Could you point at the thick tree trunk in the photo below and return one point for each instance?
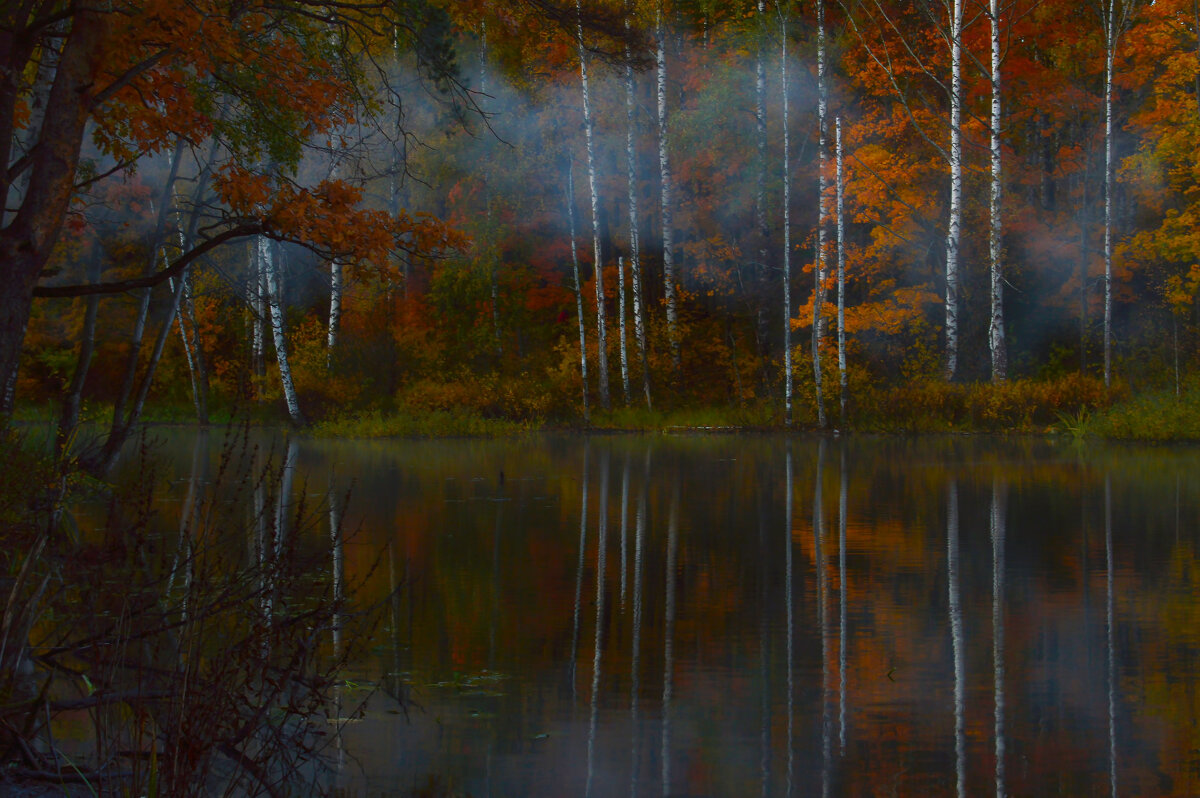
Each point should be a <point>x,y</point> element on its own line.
<point>29,234</point>
<point>664,171</point>
<point>954,227</point>
<point>996,341</point>
<point>594,191</point>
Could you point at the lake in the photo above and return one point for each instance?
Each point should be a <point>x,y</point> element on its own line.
<point>756,615</point>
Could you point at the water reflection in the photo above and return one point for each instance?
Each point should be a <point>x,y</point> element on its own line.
<point>720,662</point>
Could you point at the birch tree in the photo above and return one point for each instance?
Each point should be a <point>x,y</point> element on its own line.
<point>822,213</point>
<point>996,341</point>
<point>841,268</point>
<point>583,362</point>
<point>954,225</point>
<point>621,329</point>
<point>589,135</point>
<point>1114,17</point>
<point>635,262</point>
<point>664,171</point>
<point>787,232</point>
<point>270,267</point>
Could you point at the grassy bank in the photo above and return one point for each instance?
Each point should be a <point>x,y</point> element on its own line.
<point>1071,405</point>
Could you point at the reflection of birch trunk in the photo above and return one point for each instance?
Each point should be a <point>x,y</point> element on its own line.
<point>669,639</point>
<point>635,730</point>
<point>1109,630</point>
<point>791,621</point>
<point>496,579</point>
<point>187,521</point>
<point>764,652</point>
<point>270,265</point>
<point>844,487</point>
<point>337,566</point>
<point>583,366</point>
<point>624,527</point>
<point>583,501</point>
<point>598,650</point>
<point>956,639</point>
<point>823,617</point>
<point>999,528</point>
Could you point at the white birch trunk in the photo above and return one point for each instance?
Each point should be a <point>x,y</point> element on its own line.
<point>954,227</point>
<point>762,230</point>
<point>787,240</point>
<point>270,266</point>
<point>583,363</point>
<point>635,258</point>
<point>996,342</point>
<point>589,134</point>
<point>841,270</point>
<point>335,310</point>
<point>621,328</point>
<point>1110,49</point>
<point>822,214</point>
<point>664,170</point>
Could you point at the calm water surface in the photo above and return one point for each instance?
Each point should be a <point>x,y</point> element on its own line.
<point>741,615</point>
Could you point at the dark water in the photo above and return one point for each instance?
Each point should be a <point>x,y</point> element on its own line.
<point>740,615</point>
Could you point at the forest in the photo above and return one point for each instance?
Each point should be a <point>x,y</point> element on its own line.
<point>822,214</point>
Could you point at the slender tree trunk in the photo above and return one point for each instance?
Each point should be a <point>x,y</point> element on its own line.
<point>999,527</point>
<point>270,265</point>
<point>664,170</point>
<point>761,226</point>
<point>69,417</point>
<point>198,365</point>
<point>493,260</point>
<point>956,639</point>
<point>621,329</point>
<point>787,238</point>
<point>335,311</point>
<point>841,271</point>
<point>1109,181</point>
<point>822,215</point>
<point>954,227</point>
<point>635,261</point>
<point>583,363</point>
<point>258,322</point>
<point>996,339</point>
<point>589,134</point>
